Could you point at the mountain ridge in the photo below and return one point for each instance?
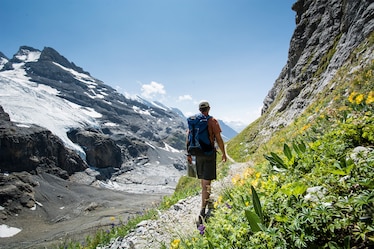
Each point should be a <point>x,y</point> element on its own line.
<point>118,137</point>
<point>325,36</point>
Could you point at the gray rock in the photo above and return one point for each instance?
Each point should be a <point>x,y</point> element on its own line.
<point>326,33</point>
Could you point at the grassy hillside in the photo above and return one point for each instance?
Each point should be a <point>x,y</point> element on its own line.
<point>312,185</point>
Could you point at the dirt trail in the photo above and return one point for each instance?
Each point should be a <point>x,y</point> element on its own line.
<point>176,222</point>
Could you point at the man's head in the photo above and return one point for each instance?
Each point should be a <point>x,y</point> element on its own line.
<point>204,106</point>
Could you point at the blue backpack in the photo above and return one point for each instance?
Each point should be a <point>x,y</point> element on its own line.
<point>198,142</point>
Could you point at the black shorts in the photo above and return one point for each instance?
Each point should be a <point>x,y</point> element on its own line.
<point>206,167</point>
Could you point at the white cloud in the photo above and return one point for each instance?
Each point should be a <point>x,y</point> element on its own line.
<point>185,97</point>
<point>151,90</point>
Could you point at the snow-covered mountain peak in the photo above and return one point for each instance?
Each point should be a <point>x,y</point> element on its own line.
<point>27,54</point>
<point>29,103</point>
<point>3,60</point>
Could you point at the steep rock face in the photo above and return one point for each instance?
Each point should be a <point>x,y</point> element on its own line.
<point>33,149</point>
<point>101,151</point>
<point>327,31</point>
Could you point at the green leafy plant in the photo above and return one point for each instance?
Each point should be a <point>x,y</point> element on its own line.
<point>290,160</point>
<point>255,219</point>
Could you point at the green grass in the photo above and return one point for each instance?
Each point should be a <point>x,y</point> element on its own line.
<point>118,228</point>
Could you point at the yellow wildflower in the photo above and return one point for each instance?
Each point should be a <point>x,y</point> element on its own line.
<point>255,182</point>
<point>369,74</point>
<point>248,172</point>
<point>218,201</point>
<point>258,175</point>
<point>351,97</point>
<point>305,127</point>
<point>112,219</point>
<point>235,179</point>
<point>359,99</point>
<point>370,98</point>
<point>175,244</point>
<point>247,203</point>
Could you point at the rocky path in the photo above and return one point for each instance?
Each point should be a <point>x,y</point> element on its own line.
<point>176,222</point>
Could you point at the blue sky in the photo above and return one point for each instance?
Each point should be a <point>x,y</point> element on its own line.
<point>229,52</point>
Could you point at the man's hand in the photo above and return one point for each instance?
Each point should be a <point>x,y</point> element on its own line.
<point>189,159</point>
<point>224,158</point>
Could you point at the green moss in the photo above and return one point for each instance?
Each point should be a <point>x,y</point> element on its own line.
<point>326,58</point>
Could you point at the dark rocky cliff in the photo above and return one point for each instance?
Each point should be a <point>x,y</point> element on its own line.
<point>34,148</point>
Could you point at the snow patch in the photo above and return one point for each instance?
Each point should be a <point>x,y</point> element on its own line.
<point>79,76</point>
<point>169,148</point>
<point>109,124</point>
<point>138,110</point>
<point>29,56</point>
<point>7,231</point>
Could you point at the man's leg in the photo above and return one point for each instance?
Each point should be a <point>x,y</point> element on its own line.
<point>205,195</point>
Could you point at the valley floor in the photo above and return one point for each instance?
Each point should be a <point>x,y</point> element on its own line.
<point>71,211</point>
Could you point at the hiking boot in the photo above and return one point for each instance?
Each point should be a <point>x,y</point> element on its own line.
<point>201,218</point>
<point>209,214</point>
<point>210,204</point>
<point>210,211</point>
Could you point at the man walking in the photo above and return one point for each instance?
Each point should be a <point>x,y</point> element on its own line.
<point>206,163</point>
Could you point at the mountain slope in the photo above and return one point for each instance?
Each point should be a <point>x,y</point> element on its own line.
<point>326,34</point>
<point>71,83</point>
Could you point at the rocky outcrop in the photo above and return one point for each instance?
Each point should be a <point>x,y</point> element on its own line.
<point>16,192</point>
<point>101,150</point>
<point>3,60</point>
<point>326,34</point>
<point>34,148</point>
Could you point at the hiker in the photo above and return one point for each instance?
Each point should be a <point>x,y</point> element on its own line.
<point>206,162</point>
